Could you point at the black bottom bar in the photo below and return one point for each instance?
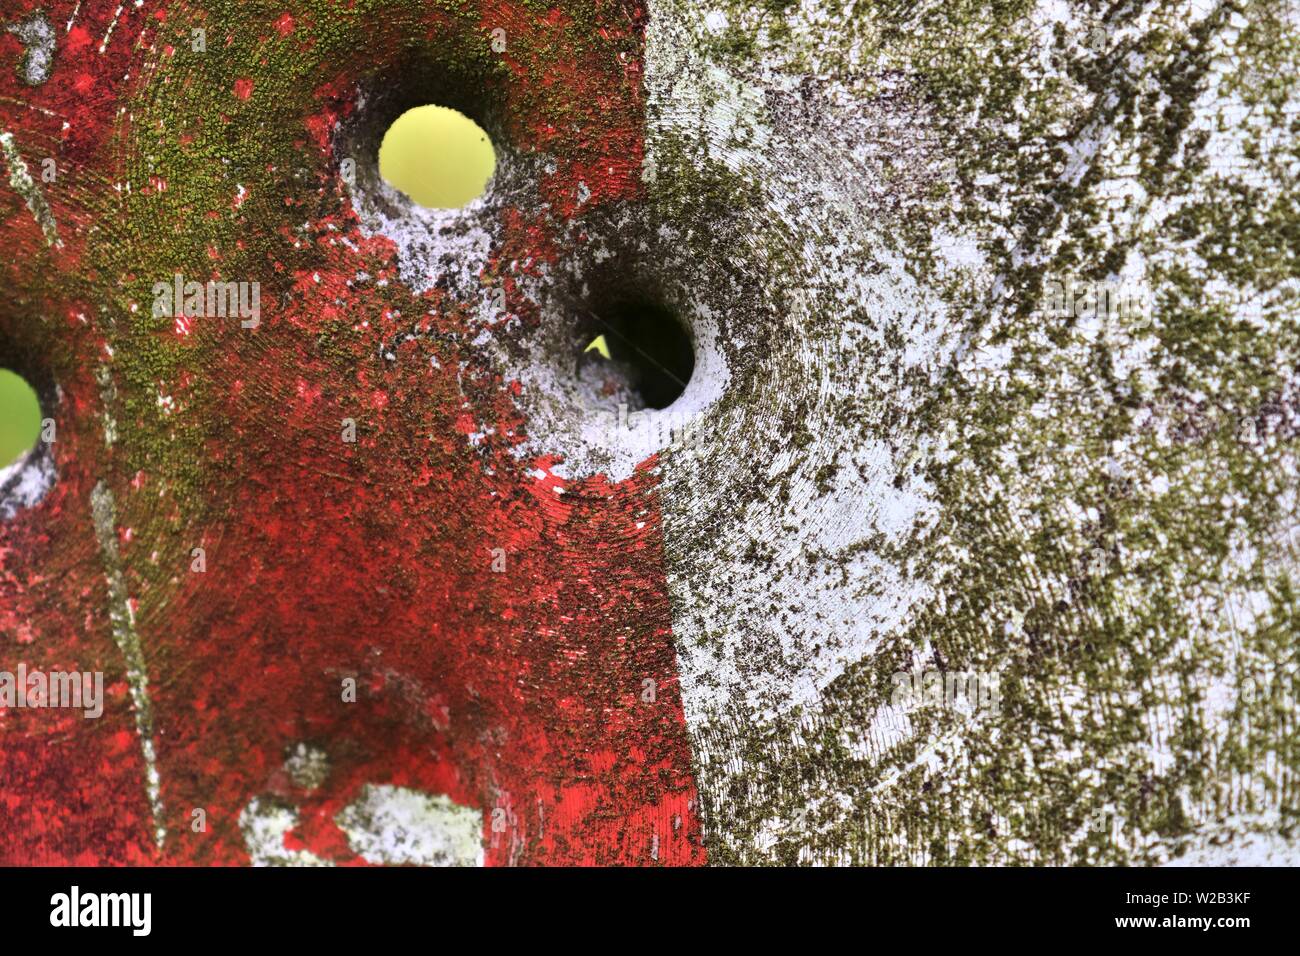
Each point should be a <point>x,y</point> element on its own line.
<point>677,907</point>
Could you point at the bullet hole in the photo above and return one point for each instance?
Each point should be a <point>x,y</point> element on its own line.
<point>646,341</point>
<point>27,441</point>
<point>20,417</point>
<point>425,160</point>
<point>437,156</point>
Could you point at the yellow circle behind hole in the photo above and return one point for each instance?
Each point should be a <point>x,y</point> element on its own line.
<point>442,159</point>
<point>20,417</point>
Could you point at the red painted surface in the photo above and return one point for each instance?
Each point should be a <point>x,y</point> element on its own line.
<point>518,692</point>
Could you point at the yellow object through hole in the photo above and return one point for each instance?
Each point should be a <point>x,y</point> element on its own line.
<point>20,417</point>
<point>442,159</point>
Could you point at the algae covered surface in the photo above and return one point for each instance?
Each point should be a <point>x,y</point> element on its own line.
<point>950,471</point>
<point>983,546</point>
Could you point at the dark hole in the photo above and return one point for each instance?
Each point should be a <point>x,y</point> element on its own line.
<point>649,341</point>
